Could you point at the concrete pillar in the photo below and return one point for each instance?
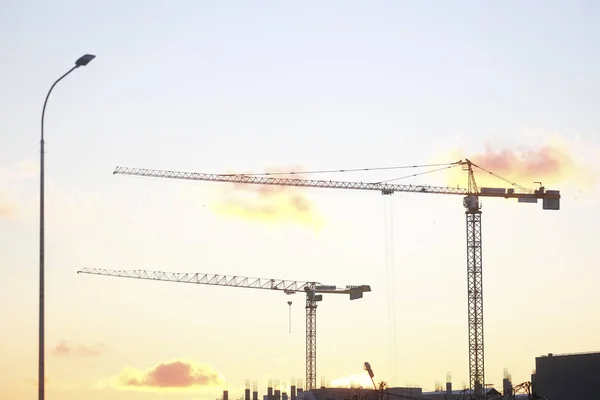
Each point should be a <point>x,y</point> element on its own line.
<point>293,392</point>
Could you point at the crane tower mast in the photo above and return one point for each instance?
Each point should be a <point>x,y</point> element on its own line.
<point>472,194</point>
<point>314,293</point>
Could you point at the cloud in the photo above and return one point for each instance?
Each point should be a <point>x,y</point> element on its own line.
<point>173,375</point>
<point>7,208</point>
<point>8,201</point>
<point>551,160</point>
<point>65,348</point>
<point>20,170</point>
<point>548,162</point>
<point>11,178</point>
<point>267,203</point>
<point>26,169</point>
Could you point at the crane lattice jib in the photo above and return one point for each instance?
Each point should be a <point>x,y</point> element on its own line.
<point>227,280</point>
<point>288,287</point>
<point>327,184</point>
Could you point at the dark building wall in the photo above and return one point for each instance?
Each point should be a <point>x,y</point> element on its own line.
<point>411,391</point>
<point>568,376</point>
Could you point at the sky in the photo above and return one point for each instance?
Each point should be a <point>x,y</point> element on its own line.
<point>224,87</point>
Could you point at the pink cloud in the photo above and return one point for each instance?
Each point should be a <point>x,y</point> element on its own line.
<point>65,348</point>
<point>170,375</point>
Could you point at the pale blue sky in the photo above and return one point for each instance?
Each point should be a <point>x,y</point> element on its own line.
<point>214,86</point>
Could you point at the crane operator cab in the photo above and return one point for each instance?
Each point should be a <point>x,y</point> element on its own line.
<point>471,203</point>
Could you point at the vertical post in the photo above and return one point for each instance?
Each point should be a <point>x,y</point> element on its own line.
<point>41,344</point>
<point>475,299</point>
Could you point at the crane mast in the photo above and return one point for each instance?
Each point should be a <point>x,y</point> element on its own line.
<point>314,293</point>
<point>474,287</point>
<point>475,298</point>
<point>472,194</point>
<point>311,340</point>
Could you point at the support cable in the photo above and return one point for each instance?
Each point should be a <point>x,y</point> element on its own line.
<point>325,171</point>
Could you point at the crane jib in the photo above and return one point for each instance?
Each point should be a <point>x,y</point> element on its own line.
<point>288,287</point>
<point>385,188</point>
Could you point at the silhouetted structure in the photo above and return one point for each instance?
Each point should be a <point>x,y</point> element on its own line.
<point>567,376</point>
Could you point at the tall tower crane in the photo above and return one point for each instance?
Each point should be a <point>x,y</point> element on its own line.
<point>314,293</point>
<point>472,194</point>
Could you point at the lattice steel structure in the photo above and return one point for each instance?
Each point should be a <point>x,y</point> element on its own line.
<point>314,293</point>
<point>550,201</point>
<point>522,388</point>
<point>475,300</point>
<point>311,339</point>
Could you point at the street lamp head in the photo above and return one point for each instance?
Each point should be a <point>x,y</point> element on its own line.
<point>84,60</point>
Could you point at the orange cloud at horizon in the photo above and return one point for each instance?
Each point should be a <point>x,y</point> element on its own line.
<point>268,203</point>
<point>174,375</point>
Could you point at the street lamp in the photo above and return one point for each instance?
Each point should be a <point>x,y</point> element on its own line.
<point>81,62</point>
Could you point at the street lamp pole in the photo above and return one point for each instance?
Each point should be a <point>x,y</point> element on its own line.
<point>81,62</point>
